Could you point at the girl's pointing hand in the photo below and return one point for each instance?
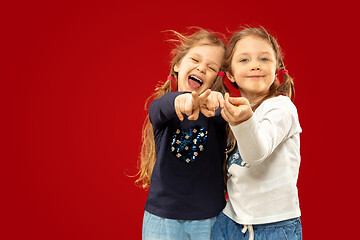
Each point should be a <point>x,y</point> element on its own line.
<point>236,110</point>
<point>187,104</point>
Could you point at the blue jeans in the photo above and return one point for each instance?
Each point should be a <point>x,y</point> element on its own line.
<point>226,229</point>
<point>158,228</point>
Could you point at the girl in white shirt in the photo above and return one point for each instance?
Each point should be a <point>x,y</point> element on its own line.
<point>263,167</point>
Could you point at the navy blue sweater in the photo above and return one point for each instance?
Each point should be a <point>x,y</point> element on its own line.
<point>187,182</point>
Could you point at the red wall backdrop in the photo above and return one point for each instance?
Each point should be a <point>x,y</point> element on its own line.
<point>74,79</point>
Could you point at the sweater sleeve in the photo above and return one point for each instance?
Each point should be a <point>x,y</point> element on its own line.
<point>259,136</point>
<point>162,109</point>
<point>218,117</point>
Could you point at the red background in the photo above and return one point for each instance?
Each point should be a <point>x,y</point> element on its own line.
<point>74,79</point>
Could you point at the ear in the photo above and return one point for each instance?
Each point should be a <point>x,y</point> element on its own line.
<point>230,77</point>
<point>176,67</point>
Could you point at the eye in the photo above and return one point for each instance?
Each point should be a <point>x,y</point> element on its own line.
<point>264,59</point>
<point>212,69</point>
<point>244,60</point>
<point>194,60</point>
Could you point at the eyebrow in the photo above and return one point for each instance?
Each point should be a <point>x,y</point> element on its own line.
<point>246,53</point>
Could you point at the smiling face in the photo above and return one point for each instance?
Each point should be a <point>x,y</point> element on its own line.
<point>253,67</point>
<point>198,69</point>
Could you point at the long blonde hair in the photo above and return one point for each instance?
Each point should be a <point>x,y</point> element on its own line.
<point>183,44</point>
<point>286,88</point>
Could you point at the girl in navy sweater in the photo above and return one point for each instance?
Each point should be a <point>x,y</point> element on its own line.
<point>184,140</point>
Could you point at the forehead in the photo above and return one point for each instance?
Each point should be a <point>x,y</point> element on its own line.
<point>209,52</point>
<point>253,44</point>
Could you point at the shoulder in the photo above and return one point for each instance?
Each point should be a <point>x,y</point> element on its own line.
<point>162,109</point>
<point>167,96</point>
<point>280,103</point>
<point>280,110</point>
<point>167,100</point>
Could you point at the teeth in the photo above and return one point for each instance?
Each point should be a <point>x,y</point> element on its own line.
<point>196,78</point>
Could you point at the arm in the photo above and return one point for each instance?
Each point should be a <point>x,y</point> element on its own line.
<point>172,105</point>
<point>218,118</point>
<point>258,136</point>
<point>162,109</point>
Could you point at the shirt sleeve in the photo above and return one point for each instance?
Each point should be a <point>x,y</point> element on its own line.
<point>162,109</point>
<point>218,117</point>
<point>259,136</point>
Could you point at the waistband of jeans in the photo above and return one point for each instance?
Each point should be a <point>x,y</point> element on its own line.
<point>276,224</point>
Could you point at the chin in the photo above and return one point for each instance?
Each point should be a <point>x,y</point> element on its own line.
<point>198,90</point>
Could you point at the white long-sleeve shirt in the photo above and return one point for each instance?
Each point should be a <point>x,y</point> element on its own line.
<point>264,172</point>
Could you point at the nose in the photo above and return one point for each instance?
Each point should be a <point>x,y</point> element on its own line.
<point>255,67</point>
<point>201,68</point>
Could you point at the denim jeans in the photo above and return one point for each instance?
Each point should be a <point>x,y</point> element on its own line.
<point>158,228</point>
<point>226,229</point>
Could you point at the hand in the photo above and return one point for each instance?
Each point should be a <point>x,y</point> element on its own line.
<point>236,110</point>
<point>187,103</point>
<point>209,101</point>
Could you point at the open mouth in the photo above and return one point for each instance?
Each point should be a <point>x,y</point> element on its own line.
<point>194,82</point>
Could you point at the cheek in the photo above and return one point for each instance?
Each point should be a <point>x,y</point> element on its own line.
<point>236,72</point>
<point>273,75</point>
<point>272,72</point>
<point>271,79</point>
<point>210,81</point>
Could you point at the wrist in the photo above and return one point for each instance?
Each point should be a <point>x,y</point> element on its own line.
<point>243,119</point>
